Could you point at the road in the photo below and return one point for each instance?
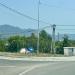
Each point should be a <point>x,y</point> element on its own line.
<point>20,67</point>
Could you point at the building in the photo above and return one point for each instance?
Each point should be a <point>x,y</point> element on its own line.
<point>69,51</point>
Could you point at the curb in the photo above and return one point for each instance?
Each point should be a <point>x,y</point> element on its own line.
<point>41,58</point>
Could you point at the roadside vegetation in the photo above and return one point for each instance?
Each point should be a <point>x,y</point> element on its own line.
<point>15,43</point>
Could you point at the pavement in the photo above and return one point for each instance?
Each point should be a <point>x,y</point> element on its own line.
<point>24,67</point>
<point>58,68</point>
<point>70,58</point>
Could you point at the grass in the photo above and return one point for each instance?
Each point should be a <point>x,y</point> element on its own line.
<point>7,54</point>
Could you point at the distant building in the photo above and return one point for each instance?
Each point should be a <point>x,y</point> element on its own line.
<point>69,51</point>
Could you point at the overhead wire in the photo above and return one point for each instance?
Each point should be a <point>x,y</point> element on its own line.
<point>45,4</point>
<point>65,25</point>
<point>21,14</point>
<point>31,18</point>
<point>17,33</point>
<point>65,29</point>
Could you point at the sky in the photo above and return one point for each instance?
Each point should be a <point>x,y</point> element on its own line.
<point>59,12</point>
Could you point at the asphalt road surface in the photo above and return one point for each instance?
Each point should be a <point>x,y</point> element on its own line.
<point>17,67</point>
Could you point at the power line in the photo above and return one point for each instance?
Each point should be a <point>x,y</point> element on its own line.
<point>65,25</point>
<point>21,14</point>
<point>65,29</point>
<point>15,11</point>
<point>15,33</point>
<point>45,27</point>
<point>56,6</point>
<point>3,1</point>
<point>49,5</point>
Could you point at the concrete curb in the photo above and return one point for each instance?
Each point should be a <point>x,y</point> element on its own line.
<point>41,58</point>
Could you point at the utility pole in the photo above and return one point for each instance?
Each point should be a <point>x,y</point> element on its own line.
<point>53,38</point>
<point>38,29</point>
<point>58,36</point>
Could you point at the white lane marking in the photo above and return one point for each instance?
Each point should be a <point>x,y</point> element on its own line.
<point>40,65</point>
<point>29,69</point>
<point>33,67</point>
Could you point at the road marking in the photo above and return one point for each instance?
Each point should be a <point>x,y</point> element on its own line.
<point>33,67</point>
<point>29,69</point>
<point>42,65</point>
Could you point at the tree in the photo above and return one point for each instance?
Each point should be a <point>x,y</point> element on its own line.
<point>59,47</point>
<point>2,45</point>
<point>31,42</point>
<point>61,44</point>
<point>13,43</point>
<point>16,43</point>
<point>65,41</point>
<point>45,42</point>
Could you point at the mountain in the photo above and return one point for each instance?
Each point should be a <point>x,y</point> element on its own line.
<point>70,36</point>
<point>9,30</point>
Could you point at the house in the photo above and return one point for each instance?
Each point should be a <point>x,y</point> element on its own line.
<point>69,51</point>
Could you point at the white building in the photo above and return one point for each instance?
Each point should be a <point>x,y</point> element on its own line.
<point>69,51</point>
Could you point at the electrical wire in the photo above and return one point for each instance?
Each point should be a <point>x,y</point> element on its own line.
<point>18,32</point>
<point>65,25</point>
<point>45,4</point>
<point>65,29</point>
<point>21,14</point>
